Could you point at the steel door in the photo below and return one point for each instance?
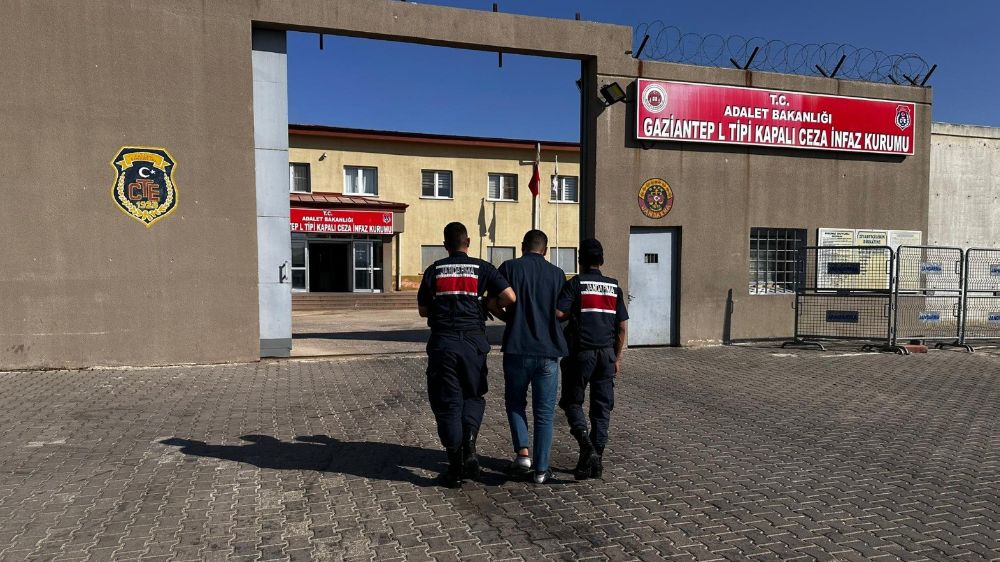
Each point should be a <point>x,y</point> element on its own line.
<point>652,285</point>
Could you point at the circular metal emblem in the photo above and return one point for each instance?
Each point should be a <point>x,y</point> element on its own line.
<point>654,98</point>
<point>655,198</point>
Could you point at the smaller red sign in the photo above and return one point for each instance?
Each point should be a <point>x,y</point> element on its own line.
<point>340,221</point>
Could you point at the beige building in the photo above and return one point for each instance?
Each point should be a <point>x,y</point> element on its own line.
<point>424,181</point>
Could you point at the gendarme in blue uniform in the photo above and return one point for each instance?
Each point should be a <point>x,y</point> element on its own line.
<point>452,289</point>
<point>595,305</point>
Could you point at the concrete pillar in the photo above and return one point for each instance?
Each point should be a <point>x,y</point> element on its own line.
<point>274,257</point>
<point>388,253</point>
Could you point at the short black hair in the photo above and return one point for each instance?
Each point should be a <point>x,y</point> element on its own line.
<point>456,236</point>
<point>534,241</point>
<point>591,253</point>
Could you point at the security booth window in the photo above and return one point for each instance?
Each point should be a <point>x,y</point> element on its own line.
<point>564,259</point>
<point>564,190</point>
<point>299,178</point>
<point>360,181</point>
<point>499,254</point>
<point>773,259</point>
<point>431,254</point>
<point>435,184</point>
<point>502,187</point>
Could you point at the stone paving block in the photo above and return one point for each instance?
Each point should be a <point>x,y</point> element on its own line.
<point>716,454</point>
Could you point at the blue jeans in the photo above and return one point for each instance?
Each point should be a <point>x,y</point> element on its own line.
<point>542,373</point>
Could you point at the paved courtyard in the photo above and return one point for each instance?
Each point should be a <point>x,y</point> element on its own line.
<point>732,453</point>
<point>326,333</point>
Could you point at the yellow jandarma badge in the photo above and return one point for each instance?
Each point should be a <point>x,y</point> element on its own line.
<point>144,187</point>
<point>655,198</point>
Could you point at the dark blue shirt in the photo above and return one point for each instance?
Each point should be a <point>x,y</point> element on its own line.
<point>532,328</point>
<point>595,305</point>
<point>453,288</point>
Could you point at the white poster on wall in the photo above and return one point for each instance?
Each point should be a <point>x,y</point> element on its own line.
<point>834,269</point>
<point>874,263</point>
<point>899,238</point>
<point>835,237</point>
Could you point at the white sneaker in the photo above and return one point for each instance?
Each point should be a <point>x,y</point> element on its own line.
<point>522,463</point>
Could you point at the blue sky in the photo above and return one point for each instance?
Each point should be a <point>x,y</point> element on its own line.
<point>403,87</point>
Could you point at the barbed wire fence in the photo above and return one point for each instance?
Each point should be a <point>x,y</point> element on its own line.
<point>661,42</point>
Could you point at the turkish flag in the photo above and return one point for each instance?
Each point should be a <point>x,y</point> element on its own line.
<point>535,179</point>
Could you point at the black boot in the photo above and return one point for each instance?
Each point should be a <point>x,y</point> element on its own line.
<point>452,478</point>
<point>597,469</point>
<point>470,462</point>
<point>584,466</point>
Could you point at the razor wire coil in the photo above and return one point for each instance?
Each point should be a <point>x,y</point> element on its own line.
<point>670,44</point>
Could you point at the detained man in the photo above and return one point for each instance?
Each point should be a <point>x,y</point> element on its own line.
<point>533,343</point>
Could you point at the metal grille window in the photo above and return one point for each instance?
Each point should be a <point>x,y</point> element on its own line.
<point>564,259</point>
<point>431,254</point>
<point>564,189</point>
<point>435,184</point>
<point>773,259</point>
<point>502,187</point>
<point>360,181</point>
<point>500,254</point>
<point>298,178</point>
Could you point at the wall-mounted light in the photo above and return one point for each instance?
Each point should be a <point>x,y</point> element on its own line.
<point>612,93</point>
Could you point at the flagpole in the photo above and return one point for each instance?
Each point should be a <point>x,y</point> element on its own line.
<point>534,198</point>
<point>555,183</point>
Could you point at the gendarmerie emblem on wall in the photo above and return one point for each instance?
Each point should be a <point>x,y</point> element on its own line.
<point>144,187</point>
<point>655,198</point>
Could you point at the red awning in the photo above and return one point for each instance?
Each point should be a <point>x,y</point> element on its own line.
<point>341,201</point>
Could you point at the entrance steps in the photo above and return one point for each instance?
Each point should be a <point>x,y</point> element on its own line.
<point>354,301</point>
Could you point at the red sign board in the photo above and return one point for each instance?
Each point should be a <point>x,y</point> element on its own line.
<point>340,221</point>
<point>681,111</point>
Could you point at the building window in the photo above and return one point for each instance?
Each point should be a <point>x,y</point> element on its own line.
<point>360,181</point>
<point>435,184</point>
<point>564,259</point>
<point>499,254</point>
<point>298,178</point>
<point>773,253</point>
<point>564,190</point>
<point>431,254</point>
<point>299,253</point>
<point>502,187</point>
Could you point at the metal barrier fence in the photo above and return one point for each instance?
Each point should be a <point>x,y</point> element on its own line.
<point>981,318</point>
<point>917,293</point>
<point>928,295</point>
<point>844,293</point>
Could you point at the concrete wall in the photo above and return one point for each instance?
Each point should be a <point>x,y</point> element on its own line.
<point>720,192</point>
<point>399,167</point>
<point>964,186</point>
<point>82,284</point>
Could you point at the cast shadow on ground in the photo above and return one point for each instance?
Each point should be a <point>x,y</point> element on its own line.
<point>420,335</point>
<point>368,459</point>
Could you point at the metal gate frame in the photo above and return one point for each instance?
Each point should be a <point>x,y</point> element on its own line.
<point>916,266</point>
<point>979,292</point>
